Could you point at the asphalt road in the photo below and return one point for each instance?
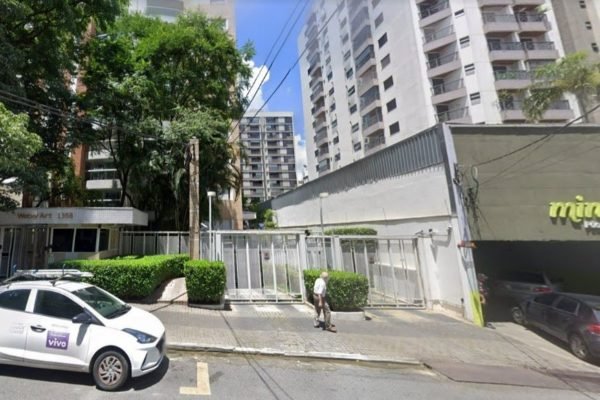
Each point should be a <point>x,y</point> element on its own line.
<point>250,377</point>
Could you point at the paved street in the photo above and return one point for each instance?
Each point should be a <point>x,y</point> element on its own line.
<point>254,377</point>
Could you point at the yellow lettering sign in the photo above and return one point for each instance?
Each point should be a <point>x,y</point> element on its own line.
<point>577,211</point>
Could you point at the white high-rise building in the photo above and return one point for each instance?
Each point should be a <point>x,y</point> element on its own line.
<point>382,70</point>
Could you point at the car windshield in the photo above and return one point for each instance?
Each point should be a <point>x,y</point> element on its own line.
<point>102,302</point>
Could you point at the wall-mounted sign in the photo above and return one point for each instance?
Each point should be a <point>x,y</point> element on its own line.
<point>579,211</point>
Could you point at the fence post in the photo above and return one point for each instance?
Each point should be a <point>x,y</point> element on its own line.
<point>302,264</point>
<point>370,296</point>
<point>274,270</point>
<point>389,244</point>
<point>248,268</point>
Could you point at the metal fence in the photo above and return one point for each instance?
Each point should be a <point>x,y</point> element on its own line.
<point>267,265</point>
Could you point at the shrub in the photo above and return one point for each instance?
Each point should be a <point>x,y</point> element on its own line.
<point>346,291</point>
<point>351,231</point>
<point>205,281</point>
<point>130,278</point>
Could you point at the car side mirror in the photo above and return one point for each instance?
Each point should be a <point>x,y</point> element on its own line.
<point>83,318</point>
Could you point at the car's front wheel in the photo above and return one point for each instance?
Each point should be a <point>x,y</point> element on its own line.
<point>110,370</point>
<point>518,316</point>
<point>579,348</point>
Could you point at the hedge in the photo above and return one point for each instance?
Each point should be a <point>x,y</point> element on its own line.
<point>346,291</point>
<point>351,231</point>
<point>205,281</point>
<point>129,277</point>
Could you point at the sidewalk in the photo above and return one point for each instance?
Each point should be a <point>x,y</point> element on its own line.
<point>404,336</point>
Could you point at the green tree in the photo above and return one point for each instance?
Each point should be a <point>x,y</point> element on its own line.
<point>17,146</point>
<point>154,85</point>
<point>40,44</point>
<point>572,74</point>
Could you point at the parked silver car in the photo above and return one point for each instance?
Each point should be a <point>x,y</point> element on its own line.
<point>513,287</point>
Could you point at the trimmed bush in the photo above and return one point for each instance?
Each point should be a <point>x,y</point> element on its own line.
<point>351,231</point>
<point>205,281</point>
<point>346,291</point>
<point>128,277</point>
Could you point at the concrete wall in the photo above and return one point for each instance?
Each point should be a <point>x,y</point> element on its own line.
<point>508,199</point>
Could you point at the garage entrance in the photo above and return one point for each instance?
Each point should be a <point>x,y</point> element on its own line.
<point>570,266</point>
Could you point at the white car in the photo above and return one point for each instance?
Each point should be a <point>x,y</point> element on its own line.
<point>75,326</point>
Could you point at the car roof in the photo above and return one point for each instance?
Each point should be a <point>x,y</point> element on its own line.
<point>69,286</point>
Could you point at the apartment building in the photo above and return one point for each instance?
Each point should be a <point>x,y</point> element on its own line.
<point>379,71</point>
<point>269,169</point>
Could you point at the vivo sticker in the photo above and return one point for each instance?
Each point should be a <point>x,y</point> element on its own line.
<point>57,340</point>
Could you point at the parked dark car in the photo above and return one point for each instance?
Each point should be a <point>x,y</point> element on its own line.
<point>572,318</point>
<point>512,287</point>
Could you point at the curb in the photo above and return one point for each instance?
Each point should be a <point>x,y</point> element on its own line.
<point>292,354</point>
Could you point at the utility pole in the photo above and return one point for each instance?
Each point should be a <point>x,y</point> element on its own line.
<point>194,201</point>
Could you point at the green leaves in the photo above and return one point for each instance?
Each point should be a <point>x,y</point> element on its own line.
<point>205,281</point>
<point>346,291</point>
<point>350,231</point>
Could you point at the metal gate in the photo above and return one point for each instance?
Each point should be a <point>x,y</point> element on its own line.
<point>261,266</point>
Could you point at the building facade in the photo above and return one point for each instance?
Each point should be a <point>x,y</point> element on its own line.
<point>269,169</point>
<point>377,71</point>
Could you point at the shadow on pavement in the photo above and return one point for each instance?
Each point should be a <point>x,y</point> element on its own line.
<point>82,379</point>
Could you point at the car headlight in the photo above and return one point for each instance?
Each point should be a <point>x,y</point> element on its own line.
<point>140,336</point>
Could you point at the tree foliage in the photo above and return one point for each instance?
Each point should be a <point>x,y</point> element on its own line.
<point>572,74</point>
<point>154,85</point>
<point>39,52</point>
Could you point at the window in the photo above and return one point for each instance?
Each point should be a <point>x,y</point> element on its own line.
<point>351,90</point>
<point>475,98</point>
<point>343,23</point>
<point>588,25</point>
<point>459,13</point>
<point>336,140</point>
<point>55,305</point>
<point>328,61</point>
<point>470,69</point>
<point>331,91</point>
<point>385,61</point>
<point>394,128</point>
<point>347,55</point>
<point>378,20</point>
<point>332,107</point>
<point>382,40</point>
<point>357,146</point>
<point>345,38</point>
<point>14,299</point>
<point>329,76</point>
<point>567,305</point>
<point>582,4</point>
<point>464,41</point>
<point>595,47</point>
<point>546,299</point>
<point>103,245</point>
<point>349,73</point>
<point>62,240</point>
<point>338,156</point>
<point>391,105</point>
<point>388,83</point>
<point>353,109</point>
<point>334,123</point>
<point>85,240</point>
<point>355,127</point>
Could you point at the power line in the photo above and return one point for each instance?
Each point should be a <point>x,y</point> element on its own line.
<point>293,66</point>
<point>273,48</point>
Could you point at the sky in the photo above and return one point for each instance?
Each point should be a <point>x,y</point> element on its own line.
<point>260,22</point>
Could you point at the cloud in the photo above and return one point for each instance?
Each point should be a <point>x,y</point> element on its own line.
<point>258,73</point>
<point>301,160</point>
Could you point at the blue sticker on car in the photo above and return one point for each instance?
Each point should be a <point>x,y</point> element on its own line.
<point>57,340</point>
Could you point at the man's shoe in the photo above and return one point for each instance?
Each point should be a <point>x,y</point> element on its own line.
<point>331,329</point>
<point>317,325</point>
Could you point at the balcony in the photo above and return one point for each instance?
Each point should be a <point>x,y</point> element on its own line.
<point>320,124</point>
<point>367,83</point>
<point>365,60</point>
<point>506,51</point>
<point>317,92</point>
<point>440,38</point>
<point>491,3</point>
<point>458,115</point>
<point>324,165</point>
<point>442,65</point>
<point>321,137</point>
<point>533,22</point>
<point>497,23</point>
<point>448,91</point>
<point>372,124</point>
<point>512,110</point>
<point>533,3</point>
<point>323,153</point>
<point>434,13</point>
<point>318,109</point>
<point>359,19</point>
<point>513,80</point>
<point>375,143</point>
<point>362,40</point>
<point>540,50</point>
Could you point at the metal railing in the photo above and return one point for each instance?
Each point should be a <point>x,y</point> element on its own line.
<point>439,34</point>
<point>539,46</point>
<point>519,104</point>
<point>505,46</point>
<point>364,57</point>
<point>375,142</point>
<point>447,87</point>
<point>434,9</point>
<point>493,17</point>
<point>452,115</point>
<point>437,62</point>
<point>514,75</point>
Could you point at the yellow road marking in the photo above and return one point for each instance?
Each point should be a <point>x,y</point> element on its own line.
<point>203,384</point>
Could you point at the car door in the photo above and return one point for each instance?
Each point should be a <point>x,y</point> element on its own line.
<point>539,307</point>
<point>562,316</point>
<point>13,321</point>
<point>54,341</point>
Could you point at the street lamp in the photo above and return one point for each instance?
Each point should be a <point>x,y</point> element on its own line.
<point>210,195</point>
<point>322,195</point>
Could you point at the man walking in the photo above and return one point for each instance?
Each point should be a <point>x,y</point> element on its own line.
<point>320,302</point>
